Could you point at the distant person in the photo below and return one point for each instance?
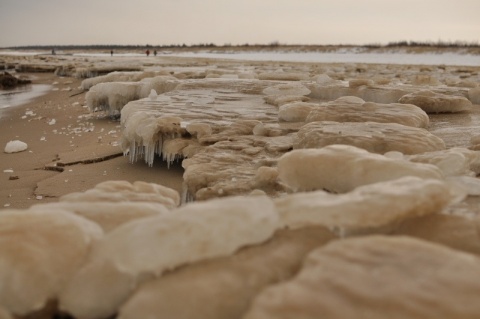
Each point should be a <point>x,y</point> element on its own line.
<point>53,51</point>
<point>155,53</point>
<point>111,53</point>
<point>147,52</point>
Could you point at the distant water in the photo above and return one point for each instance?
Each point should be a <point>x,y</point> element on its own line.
<point>21,94</point>
<point>345,57</point>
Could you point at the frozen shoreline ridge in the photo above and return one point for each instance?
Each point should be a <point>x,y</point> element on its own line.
<point>292,170</point>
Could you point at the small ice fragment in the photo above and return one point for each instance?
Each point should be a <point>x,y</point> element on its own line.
<point>24,117</point>
<point>39,197</point>
<point>75,104</point>
<point>9,170</point>
<point>15,146</point>
<point>6,205</point>
<point>43,138</point>
<point>52,122</point>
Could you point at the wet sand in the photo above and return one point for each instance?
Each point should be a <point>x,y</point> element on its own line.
<point>76,138</point>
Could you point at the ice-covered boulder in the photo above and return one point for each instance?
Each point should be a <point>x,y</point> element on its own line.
<point>371,208</point>
<point>40,251</point>
<point>354,109</point>
<point>123,191</point>
<point>432,102</point>
<point>237,279</point>
<point>151,246</point>
<point>342,168</point>
<point>15,146</point>
<point>373,137</point>
<point>397,277</point>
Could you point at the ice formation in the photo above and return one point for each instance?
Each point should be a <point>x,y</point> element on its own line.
<point>455,231</point>
<point>432,102</point>
<point>371,208</point>
<point>353,109</point>
<point>373,137</point>
<point>119,77</point>
<point>113,96</point>
<point>153,245</point>
<point>122,191</point>
<point>237,279</point>
<point>15,146</point>
<point>108,215</point>
<point>395,275</point>
<point>317,169</point>
<point>39,252</point>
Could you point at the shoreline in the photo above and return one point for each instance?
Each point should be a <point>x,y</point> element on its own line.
<point>60,128</point>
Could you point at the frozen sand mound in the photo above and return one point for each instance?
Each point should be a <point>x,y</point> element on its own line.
<point>432,102</point>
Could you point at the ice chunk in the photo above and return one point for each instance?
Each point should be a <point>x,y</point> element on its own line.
<point>453,162</point>
<point>295,112</point>
<point>108,215</point>
<point>287,89</point>
<point>316,169</point>
<point>279,100</point>
<point>377,276</point>
<point>356,83</point>
<point>40,251</point>
<point>374,137</point>
<point>348,110</point>
<point>432,102</point>
<point>15,146</point>
<point>156,244</point>
<point>237,279</point>
<point>455,231</point>
<point>122,191</point>
<point>370,208</point>
<point>474,95</point>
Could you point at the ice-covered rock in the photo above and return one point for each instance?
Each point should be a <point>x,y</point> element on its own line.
<point>371,208</point>
<point>354,109</point>
<point>39,252</point>
<point>237,279</point>
<point>390,276</point>
<point>15,146</point>
<point>432,102</point>
<point>342,168</point>
<point>356,83</point>
<point>374,137</point>
<point>122,191</point>
<point>150,246</point>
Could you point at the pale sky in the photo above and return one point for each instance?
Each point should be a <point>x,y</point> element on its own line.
<point>162,22</point>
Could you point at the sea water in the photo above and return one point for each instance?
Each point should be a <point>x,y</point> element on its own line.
<point>21,94</point>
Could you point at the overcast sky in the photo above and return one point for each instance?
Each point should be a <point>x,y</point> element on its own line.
<point>160,22</point>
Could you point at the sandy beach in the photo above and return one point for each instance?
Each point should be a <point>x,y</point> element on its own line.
<point>77,138</point>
